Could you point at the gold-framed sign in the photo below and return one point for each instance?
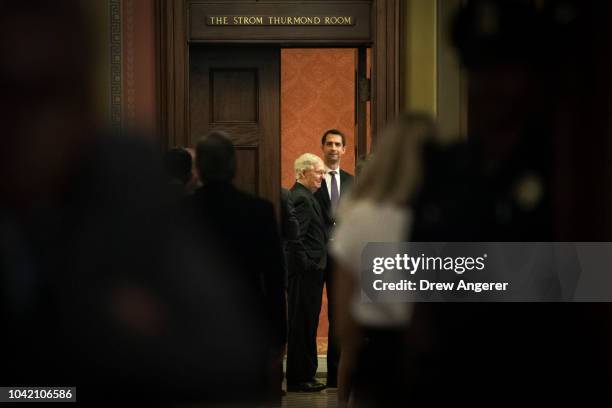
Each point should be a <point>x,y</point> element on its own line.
<point>280,20</point>
<point>346,21</point>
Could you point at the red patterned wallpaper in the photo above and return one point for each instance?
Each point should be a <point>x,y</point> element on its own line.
<point>317,93</point>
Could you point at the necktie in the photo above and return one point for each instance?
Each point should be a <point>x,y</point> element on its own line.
<point>335,194</point>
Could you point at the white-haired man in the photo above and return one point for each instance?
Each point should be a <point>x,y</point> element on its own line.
<point>306,281</point>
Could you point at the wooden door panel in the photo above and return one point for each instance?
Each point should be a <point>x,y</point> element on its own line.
<point>236,89</point>
<point>234,96</point>
<point>246,169</point>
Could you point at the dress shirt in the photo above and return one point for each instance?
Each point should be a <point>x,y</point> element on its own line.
<point>328,180</point>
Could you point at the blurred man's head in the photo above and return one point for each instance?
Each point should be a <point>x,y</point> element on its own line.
<point>178,165</point>
<point>216,158</point>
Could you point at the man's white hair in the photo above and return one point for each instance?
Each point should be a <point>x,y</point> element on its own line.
<point>305,162</point>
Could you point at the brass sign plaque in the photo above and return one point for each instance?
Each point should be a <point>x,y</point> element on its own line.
<point>280,20</point>
<point>269,21</point>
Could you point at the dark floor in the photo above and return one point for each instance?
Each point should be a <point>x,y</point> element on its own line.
<point>324,399</point>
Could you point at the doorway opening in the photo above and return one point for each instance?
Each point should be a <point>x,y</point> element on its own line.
<point>276,103</point>
<point>318,91</point>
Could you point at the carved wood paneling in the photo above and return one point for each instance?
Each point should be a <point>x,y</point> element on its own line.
<point>129,74</point>
<point>237,90</point>
<point>173,57</point>
<point>116,91</point>
<point>386,68</point>
<point>247,169</point>
<point>242,85</point>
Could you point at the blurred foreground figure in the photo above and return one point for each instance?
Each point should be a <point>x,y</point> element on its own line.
<point>247,235</point>
<point>178,164</point>
<point>99,287</point>
<point>373,335</point>
<point>499,186</point>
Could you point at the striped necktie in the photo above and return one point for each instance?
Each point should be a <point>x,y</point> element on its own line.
<point>335,193</point>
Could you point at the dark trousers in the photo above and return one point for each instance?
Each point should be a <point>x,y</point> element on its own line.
<point>333,348</point>
<point>305,293</point>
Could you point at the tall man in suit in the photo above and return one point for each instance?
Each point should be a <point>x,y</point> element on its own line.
<point>306,283</point>
<point>335,183</point>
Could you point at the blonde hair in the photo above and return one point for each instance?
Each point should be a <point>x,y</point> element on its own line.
<point>394,173</point>
<point>305,162</point>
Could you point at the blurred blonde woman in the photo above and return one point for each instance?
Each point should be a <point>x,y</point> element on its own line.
<point>378,210</point>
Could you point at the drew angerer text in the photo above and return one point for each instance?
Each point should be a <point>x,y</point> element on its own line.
<point>425,285</point>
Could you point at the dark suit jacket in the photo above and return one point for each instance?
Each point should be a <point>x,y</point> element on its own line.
<point>311,252</point>
<point>290,231</point>
<point>290,227</point>
<point>322,196</point>
<point>245,230</point>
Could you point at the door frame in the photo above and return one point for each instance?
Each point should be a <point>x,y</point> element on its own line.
<point>386,90</point>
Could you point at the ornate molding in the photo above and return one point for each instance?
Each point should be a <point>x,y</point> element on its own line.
<point>115,64</point>
<point>129,74</point>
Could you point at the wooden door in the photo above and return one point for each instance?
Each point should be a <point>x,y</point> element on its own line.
<point>236,89</point>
